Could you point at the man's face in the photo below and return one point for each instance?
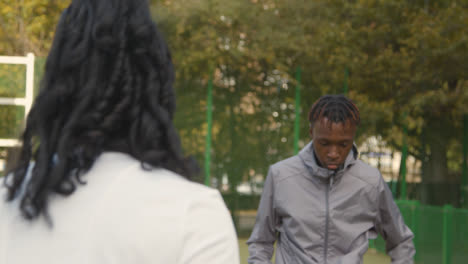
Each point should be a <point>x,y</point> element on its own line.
<point>332,142</point>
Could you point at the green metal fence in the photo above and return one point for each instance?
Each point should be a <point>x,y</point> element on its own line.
<point>441,233</point>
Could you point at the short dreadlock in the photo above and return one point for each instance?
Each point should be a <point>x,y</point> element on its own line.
<point>336,108</point>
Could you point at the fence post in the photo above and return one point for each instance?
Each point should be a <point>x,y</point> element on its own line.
<point>464,186</point>
<point>297,110</point>
<point>29,84</point>
<point>209,117</point>
<point>404,155</point>
<point>393,185</point>
<point>447,235</point>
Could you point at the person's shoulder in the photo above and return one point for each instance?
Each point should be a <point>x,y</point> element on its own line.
<point>365,173</point>
<point>286,168</point>
<point>175,185</point>
<point>182,185</point>
<point>151,181</point>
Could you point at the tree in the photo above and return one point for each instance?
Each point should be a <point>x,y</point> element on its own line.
<point>408,59</point>
<point>28,26</point>
<point>250,79</point>
<point>405,58</point>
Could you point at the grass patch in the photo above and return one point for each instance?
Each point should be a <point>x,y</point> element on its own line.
<point>371,257</point>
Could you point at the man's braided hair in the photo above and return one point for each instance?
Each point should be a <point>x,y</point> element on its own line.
<point>336,108</point>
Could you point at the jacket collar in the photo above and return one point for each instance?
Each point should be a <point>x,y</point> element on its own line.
<point>307,156</point>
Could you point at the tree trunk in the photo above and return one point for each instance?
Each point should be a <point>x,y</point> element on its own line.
<point>435,186</point>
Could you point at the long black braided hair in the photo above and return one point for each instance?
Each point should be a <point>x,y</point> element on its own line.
<point>336,108</point>
<point>107,87</point>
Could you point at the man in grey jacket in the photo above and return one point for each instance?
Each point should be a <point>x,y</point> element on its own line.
<point>324,204</point>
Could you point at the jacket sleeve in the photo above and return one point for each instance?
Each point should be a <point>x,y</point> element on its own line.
<point>391,226</point>
<point>264,234</point>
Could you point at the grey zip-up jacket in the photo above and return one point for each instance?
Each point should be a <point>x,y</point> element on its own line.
<point>318,216</point>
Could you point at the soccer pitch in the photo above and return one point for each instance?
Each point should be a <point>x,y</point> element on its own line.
<point>371,257</point>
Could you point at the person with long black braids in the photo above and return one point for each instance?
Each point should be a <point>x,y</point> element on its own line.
<point>100,176</point>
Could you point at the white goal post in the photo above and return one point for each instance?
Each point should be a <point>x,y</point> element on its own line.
<point>26,101</point>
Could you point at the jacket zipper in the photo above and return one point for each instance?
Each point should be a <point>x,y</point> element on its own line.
<point>327,217</point>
